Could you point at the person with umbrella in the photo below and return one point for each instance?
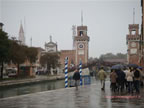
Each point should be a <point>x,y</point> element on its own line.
<point>120,80</point>
<point>137,77</point>
<point>120,76</point>
<point>141,74</point>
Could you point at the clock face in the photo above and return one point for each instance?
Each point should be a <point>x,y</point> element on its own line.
<point>133,44</point>
<point>133,51</point>
<point>81,45</point>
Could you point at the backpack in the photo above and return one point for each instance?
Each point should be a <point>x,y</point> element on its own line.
<point>137,74</point>
<point>76,76</point>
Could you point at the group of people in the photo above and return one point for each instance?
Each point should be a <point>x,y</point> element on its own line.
<point>130,80</point>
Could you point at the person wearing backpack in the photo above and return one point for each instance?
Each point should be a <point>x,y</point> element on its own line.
<point>137,77</point>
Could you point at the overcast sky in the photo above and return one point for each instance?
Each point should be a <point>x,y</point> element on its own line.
<point>107,22</point>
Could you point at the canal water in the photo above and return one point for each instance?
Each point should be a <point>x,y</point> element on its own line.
<point>33,88</point>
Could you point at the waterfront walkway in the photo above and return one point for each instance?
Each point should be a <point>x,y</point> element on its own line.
<point>88,96</point>
<point>38,78</point>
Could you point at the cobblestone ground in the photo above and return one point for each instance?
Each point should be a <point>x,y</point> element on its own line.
<point>89,96</point>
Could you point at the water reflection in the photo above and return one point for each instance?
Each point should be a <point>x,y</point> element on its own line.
<point>26,89</point>
<point>81,98</point>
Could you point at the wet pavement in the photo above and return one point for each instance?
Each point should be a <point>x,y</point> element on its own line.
<point>88,96</point>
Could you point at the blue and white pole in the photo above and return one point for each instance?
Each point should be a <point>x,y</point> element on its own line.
<point>66,72</point>
<point>80,71</point>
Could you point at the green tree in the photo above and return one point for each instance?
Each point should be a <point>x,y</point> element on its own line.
<point>4,49</point>
<point>31,54</point>
<point>50,60</point>
<point>17,54</point>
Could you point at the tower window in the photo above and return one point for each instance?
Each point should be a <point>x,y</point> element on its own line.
<point>133,32</point>
<point>81,33</point>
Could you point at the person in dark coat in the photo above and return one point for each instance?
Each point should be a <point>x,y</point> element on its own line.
<point>137,77</point>
<point>76,77</point>
<point>120,79</point>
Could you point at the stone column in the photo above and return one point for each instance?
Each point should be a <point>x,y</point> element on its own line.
<point>51,70</point>
<point>58,70</point>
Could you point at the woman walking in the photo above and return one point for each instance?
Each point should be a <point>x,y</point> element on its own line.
<point>113,77</point>
<point>129,78</point>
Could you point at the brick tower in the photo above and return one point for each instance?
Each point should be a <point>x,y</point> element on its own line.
<point>133,42</point>
<point>81,45</point>
<point>80,49</point>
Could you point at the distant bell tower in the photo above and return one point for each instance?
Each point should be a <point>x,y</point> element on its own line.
<point>21,35</point>
<point>133,40</point>
<point>133,43</point>
<point>73,34</point>
<point>81,43</point>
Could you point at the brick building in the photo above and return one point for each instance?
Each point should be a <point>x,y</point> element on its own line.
<point>71,57</point>
<point>135,42</point>
<point>80,48</point>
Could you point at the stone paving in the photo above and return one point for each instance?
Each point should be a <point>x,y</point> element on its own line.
<point>88,96</point>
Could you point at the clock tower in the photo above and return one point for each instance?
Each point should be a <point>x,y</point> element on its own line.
<point>81,45</point>
<point>80,49</point>
<point>133,43</point>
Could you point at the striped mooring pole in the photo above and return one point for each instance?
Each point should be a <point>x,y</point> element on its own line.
<point>80,71</point>
<point>66,72</point>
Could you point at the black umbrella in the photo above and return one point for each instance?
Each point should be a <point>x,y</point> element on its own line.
<point>118,66</point>
<point>133,65</point>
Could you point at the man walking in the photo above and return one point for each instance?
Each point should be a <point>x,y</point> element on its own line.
<point>137,77</point>
<point>102,76</point>
<point>76,77</point>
